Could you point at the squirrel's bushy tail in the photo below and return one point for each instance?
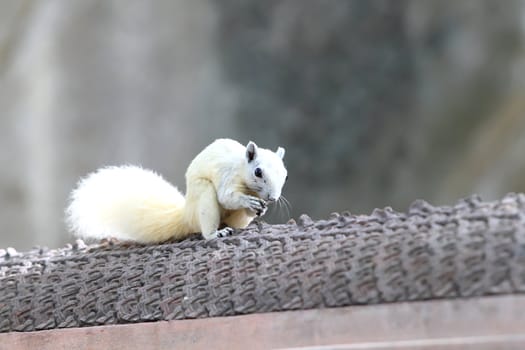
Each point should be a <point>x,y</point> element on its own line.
<point>127,203</point>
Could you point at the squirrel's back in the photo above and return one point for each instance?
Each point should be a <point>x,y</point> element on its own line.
<point>126,202</point>
<point>223,157</point>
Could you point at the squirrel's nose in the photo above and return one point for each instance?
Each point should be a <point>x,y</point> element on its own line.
<point>271,199</point>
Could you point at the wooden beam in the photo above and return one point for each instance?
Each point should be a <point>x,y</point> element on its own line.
<point>476,323</point>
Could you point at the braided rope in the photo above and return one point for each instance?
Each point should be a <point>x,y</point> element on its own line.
<point>470,249</point>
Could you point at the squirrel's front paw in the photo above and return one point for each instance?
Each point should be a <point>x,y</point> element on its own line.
<point>257,205</point>
<point>263,211</point>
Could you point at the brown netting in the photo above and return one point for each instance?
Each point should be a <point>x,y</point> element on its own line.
<point>472,248</point>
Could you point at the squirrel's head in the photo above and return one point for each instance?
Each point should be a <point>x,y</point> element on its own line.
<point>266,172</point>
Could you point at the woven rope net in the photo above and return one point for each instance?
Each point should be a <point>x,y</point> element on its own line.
<point>473,248</point>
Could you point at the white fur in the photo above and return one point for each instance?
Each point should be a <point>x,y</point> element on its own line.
<point>122,202</point>
<point>131,203</point>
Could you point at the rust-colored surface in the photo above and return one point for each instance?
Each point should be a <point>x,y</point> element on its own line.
<point>477,323</point>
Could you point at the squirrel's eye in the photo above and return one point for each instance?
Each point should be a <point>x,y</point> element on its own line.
<point>258,172</point>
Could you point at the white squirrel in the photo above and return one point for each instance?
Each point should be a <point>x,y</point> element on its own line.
<point>227,185</point>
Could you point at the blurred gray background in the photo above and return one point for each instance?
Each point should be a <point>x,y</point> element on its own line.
<point>377,102</point>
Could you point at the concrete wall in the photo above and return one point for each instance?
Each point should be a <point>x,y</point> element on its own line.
<point>377,102</point>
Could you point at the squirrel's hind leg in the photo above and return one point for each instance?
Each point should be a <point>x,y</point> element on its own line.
<point>209,212</point>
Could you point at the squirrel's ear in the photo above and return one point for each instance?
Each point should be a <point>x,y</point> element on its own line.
<point>251,151</point>
<point>280,152</point>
